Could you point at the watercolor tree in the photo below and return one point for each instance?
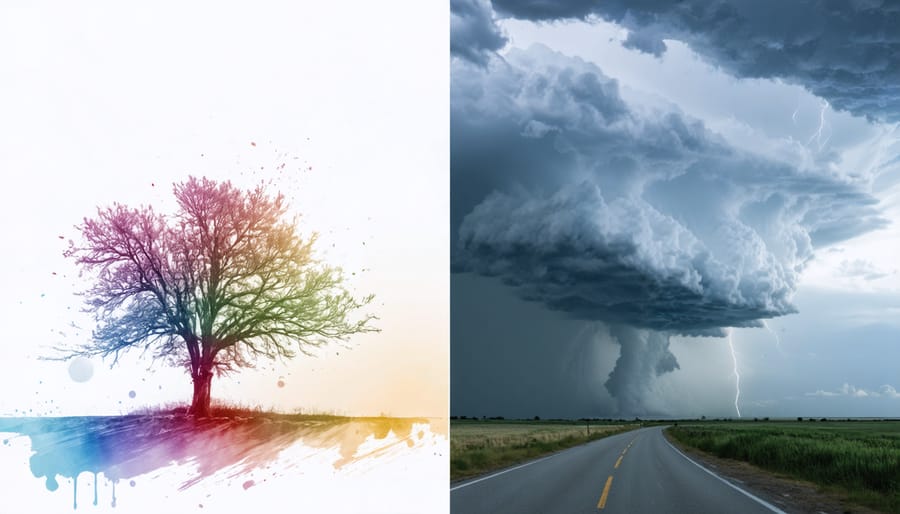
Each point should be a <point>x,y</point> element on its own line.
<point>223,281</point>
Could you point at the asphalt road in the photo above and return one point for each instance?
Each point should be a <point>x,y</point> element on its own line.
<point>634,472</point>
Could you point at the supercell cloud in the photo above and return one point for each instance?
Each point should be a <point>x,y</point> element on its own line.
<point>635,217</point>
<point>638,215</point>
<point>473,34</point>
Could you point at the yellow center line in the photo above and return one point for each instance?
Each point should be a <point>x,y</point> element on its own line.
<point>602,503</point>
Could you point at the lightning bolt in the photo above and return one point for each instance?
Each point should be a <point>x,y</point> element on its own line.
<point>737,376</point>
<point>817,135</point>
<point>775,335</point>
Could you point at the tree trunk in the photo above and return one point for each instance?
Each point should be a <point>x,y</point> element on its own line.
<point>200,402</point>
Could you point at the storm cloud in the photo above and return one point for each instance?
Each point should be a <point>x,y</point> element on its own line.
<point>473,34</point>
<point>629,214</point>
<point>845,52</point>
<point>633,217</point>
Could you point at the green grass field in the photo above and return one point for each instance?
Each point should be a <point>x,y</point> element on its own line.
<point>860,459</point>
<point>481,446</point>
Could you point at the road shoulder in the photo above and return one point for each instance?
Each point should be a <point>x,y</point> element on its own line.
<point>507,458</point>
<point>788,494</point>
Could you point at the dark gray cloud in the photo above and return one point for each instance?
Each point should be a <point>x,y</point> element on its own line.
<point>539,10</point>
<point>635,217</point>
<point>473,34</point>
<point>621,262</point>
<point>846,52</point>
<point>610,213</point>
<point>645,41</point>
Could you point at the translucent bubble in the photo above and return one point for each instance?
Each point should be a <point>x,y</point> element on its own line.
<point>131,394</point>
<point>81,369</point>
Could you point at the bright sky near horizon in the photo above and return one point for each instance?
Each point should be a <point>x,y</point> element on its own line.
<point>103,104</point>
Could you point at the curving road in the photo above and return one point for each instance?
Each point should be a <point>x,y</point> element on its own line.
<point>634,472</point>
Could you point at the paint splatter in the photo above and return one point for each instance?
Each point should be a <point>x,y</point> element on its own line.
<point>248,484</point>
<point>81,369</point>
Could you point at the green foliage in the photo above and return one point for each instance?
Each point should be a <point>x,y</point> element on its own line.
<point>861,459</point>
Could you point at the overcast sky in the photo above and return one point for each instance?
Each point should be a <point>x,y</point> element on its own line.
<point>108,103</point>
<point>674,209</point>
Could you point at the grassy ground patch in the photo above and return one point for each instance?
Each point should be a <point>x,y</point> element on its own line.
<point>858,458</point>
<point>478,447</point>
<point>221,409</point>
